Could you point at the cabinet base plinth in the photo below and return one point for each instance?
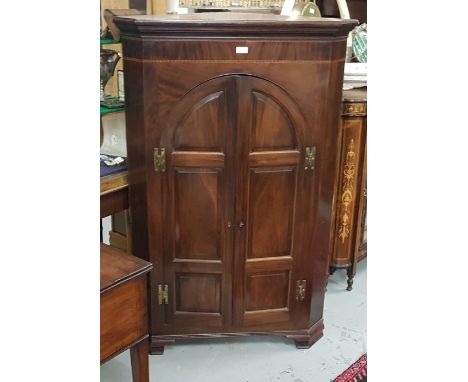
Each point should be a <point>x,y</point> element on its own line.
<point>156,349</point>
<point>304,339</point>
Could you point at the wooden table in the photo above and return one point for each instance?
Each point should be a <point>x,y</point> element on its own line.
<point>114,193</point>
<point>124,309</point>
<point>114,203</point>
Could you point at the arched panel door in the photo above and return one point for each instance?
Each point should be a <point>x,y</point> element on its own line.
<point>270,200</point>
<point>197,207</point>
<point>233,202</point>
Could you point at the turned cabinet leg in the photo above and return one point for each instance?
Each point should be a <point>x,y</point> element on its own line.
<point>139,357</point>
<point>332,270</point>
<point>350,279</point>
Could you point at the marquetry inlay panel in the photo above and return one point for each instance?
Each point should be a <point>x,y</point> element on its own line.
<point>354,109</point>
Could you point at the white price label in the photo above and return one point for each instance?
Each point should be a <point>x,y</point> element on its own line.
<point>242,49</point>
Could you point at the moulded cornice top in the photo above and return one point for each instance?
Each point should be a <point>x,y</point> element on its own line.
<point>232,25</point>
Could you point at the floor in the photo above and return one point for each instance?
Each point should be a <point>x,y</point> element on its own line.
<point>268,359</point>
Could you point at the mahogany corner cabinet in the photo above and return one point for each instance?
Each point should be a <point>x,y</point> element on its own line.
<point>232,124</point>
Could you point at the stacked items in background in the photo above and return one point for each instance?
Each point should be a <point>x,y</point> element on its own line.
<point>355,73</point>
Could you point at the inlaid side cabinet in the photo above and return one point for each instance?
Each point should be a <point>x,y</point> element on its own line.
<point>232,127</point>
<point>350,235</point>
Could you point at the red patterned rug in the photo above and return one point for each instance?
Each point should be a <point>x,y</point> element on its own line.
<point>357,372</point>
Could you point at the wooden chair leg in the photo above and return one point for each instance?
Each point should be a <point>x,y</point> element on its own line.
<point>140,367</point>
<point>350,274</point>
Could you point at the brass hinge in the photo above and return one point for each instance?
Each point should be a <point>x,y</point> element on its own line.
<point>300,290</point>
<point>310,158</point>
<point>159,159</point>
<point>163,294</point>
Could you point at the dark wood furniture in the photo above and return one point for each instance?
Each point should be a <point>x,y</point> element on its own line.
<point>113,193</point>
<point>350,236</point>
<point>232,125</point>
<point>114,203</point>
<point>124,309</point>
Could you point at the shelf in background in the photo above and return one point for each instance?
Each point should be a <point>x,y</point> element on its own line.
<point>105,110</point>
<point>109,41</point>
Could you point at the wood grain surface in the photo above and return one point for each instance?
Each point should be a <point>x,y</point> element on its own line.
<point>124,305</point>
<point>118,266</point>
<point>237,218</point>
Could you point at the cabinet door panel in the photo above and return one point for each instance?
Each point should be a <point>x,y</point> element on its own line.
<point>271,125</point>
<point>200,128</point>
<point>269,174</point>
<point>201,293</point>
<point>270,211</point>
<point>198,204</point>
<point>267,291</point>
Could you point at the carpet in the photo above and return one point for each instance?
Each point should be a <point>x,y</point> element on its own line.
<point>357,372</point>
